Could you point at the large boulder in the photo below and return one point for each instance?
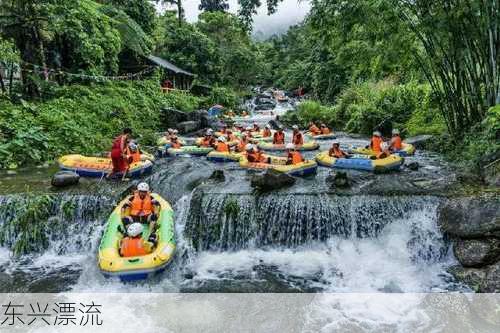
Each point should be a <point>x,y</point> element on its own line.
<point>473,277</point>
<point>202,117</point>
<point>419,141</point>
<point>65,178</point>
<point>338,179</point>
<point>470,217</point>
<point>477,252</point>
<point>188,126</point>
<point>491,282</point>
<point>271,180</point>
<point>275,124</point>
<point>170,117</point>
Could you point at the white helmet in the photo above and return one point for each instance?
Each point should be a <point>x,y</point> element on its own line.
<point>175,131</point>
<point>395,131</point>
<point>209,131</point>
<point>268,126</point>
<point>221,139</point>
<point>377,133</point>
<point>295,127</point>
<point>132,146</point>
<point>143,187</point>
<point>135,229</point>
<point>249,147</point>
<point>290,146</point>
<point>170,130</point>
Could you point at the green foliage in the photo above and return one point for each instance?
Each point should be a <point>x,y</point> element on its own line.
<point>223,96</point>
<point>83,119</point>
<point>141,11</point>
<point>364,107</point>
<point>29,228</point>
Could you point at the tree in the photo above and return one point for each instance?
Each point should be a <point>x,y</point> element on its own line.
<point>248,8</point>
<point>461,42</point>
<point>214,5</point>
<point>141,11</point>
<point>180,9</point>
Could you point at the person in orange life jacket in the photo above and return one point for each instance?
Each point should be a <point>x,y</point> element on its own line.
<point>256,127</point>
<point>396,142</point>
<point>336,152</point>
<point>267,132</point>
<point>133,153</point>
<point>297,139</point>
<point>255,155</point>
<point>243,142</point>
<point>174,142</point>
<point>208,139</point>
<point>248,131</point>
<point>221,145</point>
<point>141,207</point>
<point>324,129</point>
<point>119,157</point>
<point>293,156</point>
<point>279,136</point>
<point>313,129</point>
<point>230,136</point>
<point>133,245</point>
<point>377,147</point>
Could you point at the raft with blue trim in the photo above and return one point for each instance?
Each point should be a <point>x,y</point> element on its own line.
<point>279,164</point>
<point>112,264</point>
<point>220,157</point>
<point>330,136</point>
<point>407,150</point>
<point>189,150</point>
<point>311,145</point>
<point>393,162</point>
<point>97,167</point>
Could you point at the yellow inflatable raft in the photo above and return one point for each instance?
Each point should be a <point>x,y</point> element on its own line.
<point>408,150</point>
<point>279,164</point>
<point>311,145</point>
<point>392,162</point>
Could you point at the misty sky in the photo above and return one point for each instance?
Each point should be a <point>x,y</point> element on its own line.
<point>289,12</point>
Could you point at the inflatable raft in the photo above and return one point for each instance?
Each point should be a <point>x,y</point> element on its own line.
<point>392,162</point>
<point>189,150</point>
<point>408,150</point>
<point>164,142</point>
<point>279,164</point>
<point>140,267</point>
<point>100,166</point>
<point>312,145</point>
<point>216,156</point>
<point>321,136</point>
<point>229,143</point>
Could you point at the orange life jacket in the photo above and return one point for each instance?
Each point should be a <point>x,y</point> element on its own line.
<point>207,142</point>
<point>241,145</point>
<point>298,140</point>
<point>325,130</point>
<point>132,247</point>
<point>337,153</point>
<point>295,157</point>
<point>266,133</point>
<point>175,145</point>
<point>396,143</point>
<point>376,144</point>
<point>141,207</point>
<point>314,130</point>
<point>279,138</point>
<point>222,147</point>
<point>256,157</point>
<point>136,156</point>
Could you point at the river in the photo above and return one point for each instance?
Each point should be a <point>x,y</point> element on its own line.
<point>380,235</point>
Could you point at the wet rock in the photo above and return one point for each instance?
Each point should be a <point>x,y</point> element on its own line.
<point>477,252</point>
<point>170,117</point>
<point>188,126</point>
<point>11,172</point>
<point>202,117</point>
<point>65,178</point>
<point>469,178</point>
<point>473,277</point>
<point>491,282</point>
<point>339,179</point>
<point>275,124</point>
<point>413,166</point>
<point>217,176</point>
<point>419,141</point>
<point>470,217</point>
<point>271,180</point>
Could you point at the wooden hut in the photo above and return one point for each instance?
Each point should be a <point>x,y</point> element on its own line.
<point>174,77</point>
